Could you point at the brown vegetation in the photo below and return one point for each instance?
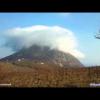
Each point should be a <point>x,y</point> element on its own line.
<point>46,75</point>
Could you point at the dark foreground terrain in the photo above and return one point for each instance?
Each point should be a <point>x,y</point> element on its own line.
<point>28,74</point>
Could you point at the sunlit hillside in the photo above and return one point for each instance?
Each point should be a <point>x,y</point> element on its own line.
<point>45,75</point>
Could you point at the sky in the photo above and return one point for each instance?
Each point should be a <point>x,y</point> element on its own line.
<point>83,25</point>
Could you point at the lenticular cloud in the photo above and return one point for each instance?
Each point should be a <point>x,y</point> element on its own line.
<point>52,36</point>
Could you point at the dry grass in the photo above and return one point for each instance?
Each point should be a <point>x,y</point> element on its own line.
<point>37,75</point>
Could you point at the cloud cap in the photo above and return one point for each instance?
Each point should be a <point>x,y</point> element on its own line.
<point>41,35</point>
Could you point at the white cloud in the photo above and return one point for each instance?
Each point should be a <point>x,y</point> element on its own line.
<point>52,36</point>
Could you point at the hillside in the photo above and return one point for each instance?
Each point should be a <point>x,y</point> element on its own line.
<point>44,67</point>
<point>43,76</point>
<point>39,54</point>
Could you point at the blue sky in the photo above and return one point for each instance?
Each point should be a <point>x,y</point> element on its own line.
<point>84,26</point>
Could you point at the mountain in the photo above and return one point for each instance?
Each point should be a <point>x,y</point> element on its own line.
<point>44,55</point>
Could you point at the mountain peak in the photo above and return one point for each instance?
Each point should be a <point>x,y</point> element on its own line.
<point>44,55</point>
